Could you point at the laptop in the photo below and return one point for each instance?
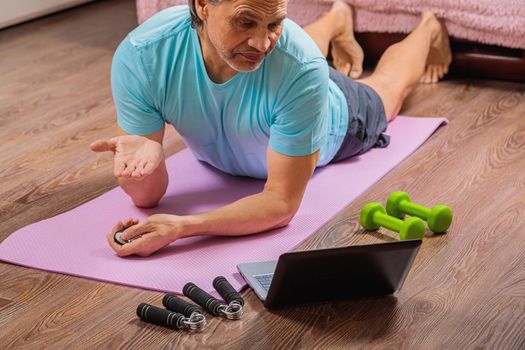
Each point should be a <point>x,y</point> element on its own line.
<point>331,274</point>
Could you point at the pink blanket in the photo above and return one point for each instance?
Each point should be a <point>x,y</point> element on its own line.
<point>499,22</point>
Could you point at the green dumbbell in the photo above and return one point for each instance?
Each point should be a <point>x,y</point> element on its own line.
<point>439,217</point>
<point>373,216</point>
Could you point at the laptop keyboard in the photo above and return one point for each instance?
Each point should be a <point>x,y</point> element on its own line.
<point>264,280</point>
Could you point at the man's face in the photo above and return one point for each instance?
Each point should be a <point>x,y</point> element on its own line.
<point>244,31</point>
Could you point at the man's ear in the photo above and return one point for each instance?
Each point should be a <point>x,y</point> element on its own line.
<point>201,7</point>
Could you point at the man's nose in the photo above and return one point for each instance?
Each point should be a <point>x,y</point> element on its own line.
<point>260,41</point>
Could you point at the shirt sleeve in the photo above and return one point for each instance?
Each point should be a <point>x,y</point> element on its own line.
<point>300,119</point>
<point>131,87</point>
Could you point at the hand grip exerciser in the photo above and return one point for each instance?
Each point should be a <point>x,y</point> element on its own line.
<point>210,304</point>
<point>226,291</point>
<point>195,319</point>
<point>161,317</point>
<point>118,238</point>
<point>230,295</point>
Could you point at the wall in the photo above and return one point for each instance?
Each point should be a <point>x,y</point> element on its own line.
<point>17,11</point>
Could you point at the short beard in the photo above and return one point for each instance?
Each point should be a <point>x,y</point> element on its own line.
<point>230,59</point>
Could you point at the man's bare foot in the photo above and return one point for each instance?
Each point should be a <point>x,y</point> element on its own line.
<point>439,56</point>
<point>347,54</point>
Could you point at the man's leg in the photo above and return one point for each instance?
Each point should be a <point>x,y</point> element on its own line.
<point>336,26</point>
<point>424,55</point>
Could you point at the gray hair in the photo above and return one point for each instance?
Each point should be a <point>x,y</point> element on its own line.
<point>196,22</point>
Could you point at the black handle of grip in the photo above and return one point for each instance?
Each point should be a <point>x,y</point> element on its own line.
<point>161,317</point>
<point>202,298</point>
<point>226,290</point>
<point>176,304</point>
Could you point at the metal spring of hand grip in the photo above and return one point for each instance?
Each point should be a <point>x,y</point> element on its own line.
<point>195,319</point>
<point>232,311</point>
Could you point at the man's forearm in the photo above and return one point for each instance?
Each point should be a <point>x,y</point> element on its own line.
<point>252,214</point>
<point>147,192</point>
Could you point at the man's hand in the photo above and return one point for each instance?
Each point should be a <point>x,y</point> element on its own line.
<point>135,156</point>
<point>138,158</point>
<point>150,235</point>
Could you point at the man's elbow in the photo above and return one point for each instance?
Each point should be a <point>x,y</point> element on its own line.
<point>146,203</point>
<point>288,214</point>
<point>145,197</point>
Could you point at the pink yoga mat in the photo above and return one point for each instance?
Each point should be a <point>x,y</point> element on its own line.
<point>74,243</point>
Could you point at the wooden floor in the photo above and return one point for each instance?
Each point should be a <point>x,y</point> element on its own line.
<point>466,289</point>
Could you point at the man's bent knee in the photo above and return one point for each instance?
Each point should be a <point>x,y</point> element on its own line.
<point>391,91</point>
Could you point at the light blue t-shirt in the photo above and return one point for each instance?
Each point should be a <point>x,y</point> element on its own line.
<point>158,76</point>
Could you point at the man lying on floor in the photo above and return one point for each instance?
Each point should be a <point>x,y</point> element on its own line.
<point>252,94</point>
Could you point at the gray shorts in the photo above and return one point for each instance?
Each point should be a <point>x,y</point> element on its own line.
<point>366,118</point>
